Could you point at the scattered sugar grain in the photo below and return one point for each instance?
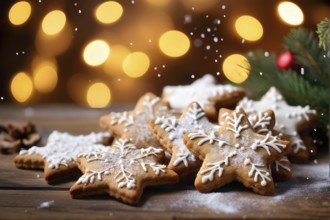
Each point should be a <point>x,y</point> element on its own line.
<point>46,204</point>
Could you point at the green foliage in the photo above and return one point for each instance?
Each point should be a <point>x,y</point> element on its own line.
<point>304,47</point>
<point>323,30</point>
<point>310,88</point>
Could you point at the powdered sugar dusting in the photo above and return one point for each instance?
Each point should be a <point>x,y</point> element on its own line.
<point>235,199</point>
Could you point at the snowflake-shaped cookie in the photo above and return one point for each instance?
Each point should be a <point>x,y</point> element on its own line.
<point>58,156</point>
<point>263,123</point>
<point>170,132</point>
<point>122,172</point>
<point>235,152</point>
<point>206,92</point>
<point>134,124</point>
<point>289,119</point>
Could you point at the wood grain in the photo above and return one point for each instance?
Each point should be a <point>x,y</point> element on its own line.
<point>22,191</point>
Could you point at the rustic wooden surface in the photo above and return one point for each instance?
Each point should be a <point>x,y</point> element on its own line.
<point>23,191</point>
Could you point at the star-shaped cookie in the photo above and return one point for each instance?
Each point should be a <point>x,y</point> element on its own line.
<point>206,92</point>
<point>134,124</point>
<point>122,172</point>
<point>58,157</point>
<point>170,131</point>
<point>235,152</point>
<point>263,123</point>
<point>290,120</point>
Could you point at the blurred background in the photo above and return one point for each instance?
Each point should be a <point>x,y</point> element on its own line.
<point>97,53</point>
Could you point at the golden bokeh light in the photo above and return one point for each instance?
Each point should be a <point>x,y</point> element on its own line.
<point>96,52</point>
<point>98,95</point>
<point>136,64</point>
<point>290,13</point>
<point>45,77</point>
<point>248,28</point>
<point>19,13</point>
<point>109,12</point>
<point>53,45</point>
<point>53,22</point>
<point>236,68</point>
<point>21,87</point>
<point>113,65</point>
<point>174,43</point>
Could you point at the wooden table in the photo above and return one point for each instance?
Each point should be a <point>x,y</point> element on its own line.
<point>24,192</point>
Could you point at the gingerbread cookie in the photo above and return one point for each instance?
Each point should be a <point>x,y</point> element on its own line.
<point>290,120</point>
<point>58,156</point>
<point>263,123</point>
<point>170,130</point>
<point>14,137</point>
<point>206,92</point>
<point>235,152</point>
<point>122,172</point>
<point>134,124</point>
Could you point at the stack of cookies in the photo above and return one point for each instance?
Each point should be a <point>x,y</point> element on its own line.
<point>209,131</point>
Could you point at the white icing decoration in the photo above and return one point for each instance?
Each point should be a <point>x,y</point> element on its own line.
<point>268,142</point>
<point>122,162</point>
<point>124,118</point>
<point>214,167</point>
<point>260,122</point>
<point>234,124</point>
<point>202,90</point>
<point>150,104</point>
<point>244,147</point>
<point>282,164</point>
<point>210,138</point>
<point>287,117</point>
<point>194,119</point>
<point>62,148</point>
<point>168,124</point>
<point>136,122</point>
<point>297,144</point>
<point>195,112</point>
<point>257,171</point>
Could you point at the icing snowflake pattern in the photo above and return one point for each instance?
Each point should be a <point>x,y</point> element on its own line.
<point>260,122</point>
<point>235,124</point>
<point>205,91</point>
<point>63,148</point>
<point>240,152</point>
<point>215,167</point>
<point>134,124</point>
<point>121,162</point>
<point>268,142</point>
<point>257,171</point>
<point>194,118</point>
<point>282,164</point>
<point>287,117</point>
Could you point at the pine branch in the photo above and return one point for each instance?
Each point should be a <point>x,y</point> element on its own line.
<point>323,30</point>
<point>309,56</point>
<point>295,88</point>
